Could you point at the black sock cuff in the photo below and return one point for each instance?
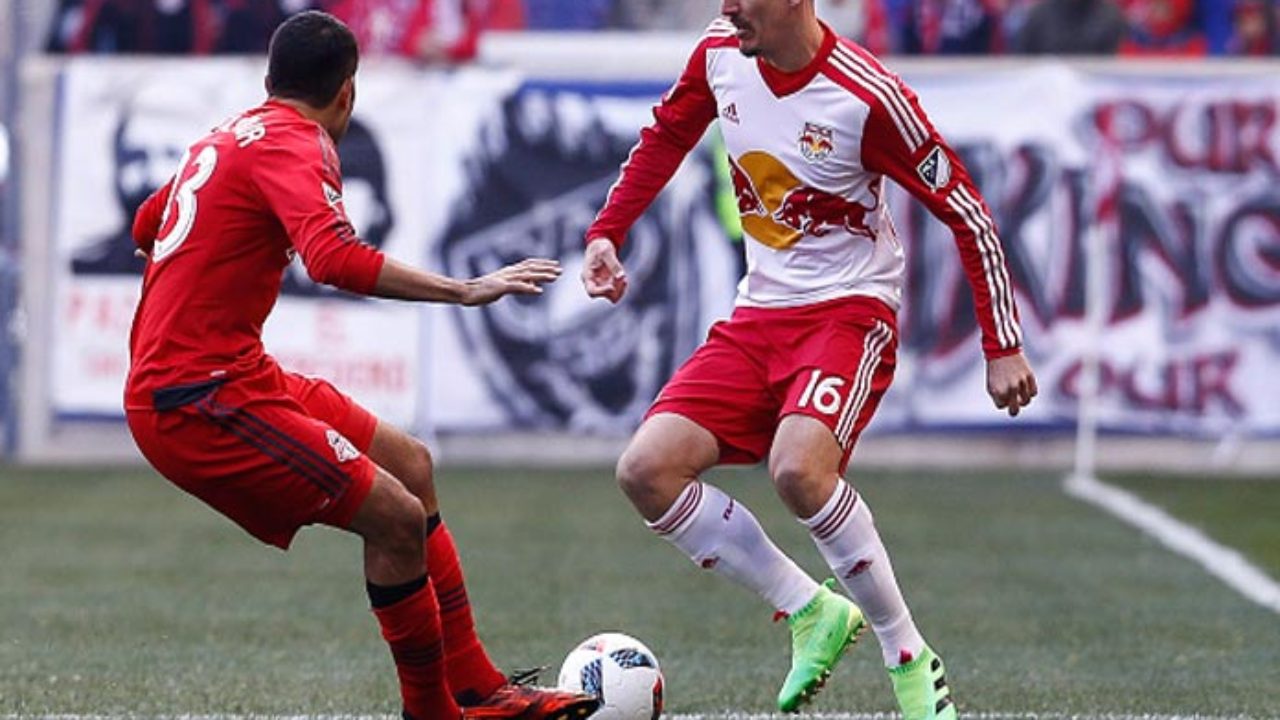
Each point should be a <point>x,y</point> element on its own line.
<point>433,522</point>
<point>381,596</point>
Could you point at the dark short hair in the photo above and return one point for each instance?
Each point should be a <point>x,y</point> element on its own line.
<point>311,55</point>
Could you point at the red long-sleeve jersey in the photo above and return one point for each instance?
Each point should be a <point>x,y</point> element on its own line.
<point>259,188</point>
<point>809,152</point>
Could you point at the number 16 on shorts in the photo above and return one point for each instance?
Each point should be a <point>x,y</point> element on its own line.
<point>823,393</point>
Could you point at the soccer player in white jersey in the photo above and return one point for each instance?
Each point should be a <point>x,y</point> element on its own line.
<point>813,124</point>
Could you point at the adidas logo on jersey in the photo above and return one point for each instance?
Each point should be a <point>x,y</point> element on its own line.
<point>730,113</point>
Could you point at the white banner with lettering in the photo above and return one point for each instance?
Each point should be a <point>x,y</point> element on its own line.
<point>123,128</point>
<point>1192,306</point>
<point>463,171</point>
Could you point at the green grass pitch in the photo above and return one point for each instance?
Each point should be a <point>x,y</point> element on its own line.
<point>119,595</point>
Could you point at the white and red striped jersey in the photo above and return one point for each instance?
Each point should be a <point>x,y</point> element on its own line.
<point>809,152</point>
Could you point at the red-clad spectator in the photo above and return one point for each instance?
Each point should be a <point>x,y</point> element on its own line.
<point>1254,28</point>
<point>866,21</point>
<point>1163,28</point>
<point>432,31</point>
<point>877,34</point>
<point>505,15</point>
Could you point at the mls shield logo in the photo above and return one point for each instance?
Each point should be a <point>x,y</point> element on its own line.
<point>935,169</point>
<point>342,447</point>
<point>331,195</point>
<point>816,142</point>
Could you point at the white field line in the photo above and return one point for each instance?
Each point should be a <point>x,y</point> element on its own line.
<point>725,715</point>
<point>1218,560</point>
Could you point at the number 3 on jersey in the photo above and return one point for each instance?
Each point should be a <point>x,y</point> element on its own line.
<point>824,393</point>
<point>183,197</point>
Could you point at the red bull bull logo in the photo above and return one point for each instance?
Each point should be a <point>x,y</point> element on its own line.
<point>748,199</point>
<point>814,212</point>
<point>778,209</point>
<point>816,142</point>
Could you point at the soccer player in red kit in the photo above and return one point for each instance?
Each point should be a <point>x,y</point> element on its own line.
<point>813,124</point>
<point>275,451</point>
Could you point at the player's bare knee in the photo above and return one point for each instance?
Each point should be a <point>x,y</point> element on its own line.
<point>412,465</point>
<point>794,478</point>
<point>411,525</point>
<point>639,473</point>
<point>419,469</point>
<point>403,527</point>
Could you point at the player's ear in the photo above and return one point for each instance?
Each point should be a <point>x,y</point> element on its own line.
<point>347,94</point>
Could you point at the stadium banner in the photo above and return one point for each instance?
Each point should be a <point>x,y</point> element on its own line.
<point>466,170</point>
<point>1192,301</point>
<point>123,127</point>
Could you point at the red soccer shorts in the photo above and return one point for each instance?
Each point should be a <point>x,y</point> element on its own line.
<point>831,361</point>
<point>273,452</point>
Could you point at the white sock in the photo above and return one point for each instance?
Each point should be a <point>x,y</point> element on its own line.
<point>845,534</point>
<point>722,535</point>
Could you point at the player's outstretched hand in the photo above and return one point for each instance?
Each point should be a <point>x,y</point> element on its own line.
<point>523,278</point>
<point>1011,383</point>
<point>602,272</point>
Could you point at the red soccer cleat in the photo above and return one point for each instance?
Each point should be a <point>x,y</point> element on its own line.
<point>525,702</point>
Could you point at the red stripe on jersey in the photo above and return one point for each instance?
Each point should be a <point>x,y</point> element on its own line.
<point>782,83</point>
<point>848,71</point>
<point>901,98</point>
<point>897,139</point>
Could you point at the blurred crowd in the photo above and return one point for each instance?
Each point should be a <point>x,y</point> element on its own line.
<point>447,31</point>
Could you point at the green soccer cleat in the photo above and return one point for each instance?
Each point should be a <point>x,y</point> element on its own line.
<point>820,633</point>
<point>921,687</point>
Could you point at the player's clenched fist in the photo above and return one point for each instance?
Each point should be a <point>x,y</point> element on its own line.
<point>1011,383</point>
<point>602,272</point>
<point>523,278</point>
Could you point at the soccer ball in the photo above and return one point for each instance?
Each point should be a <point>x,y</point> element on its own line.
<point>619,670</point>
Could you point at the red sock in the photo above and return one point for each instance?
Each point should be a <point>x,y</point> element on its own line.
<point>412,628</point>
<point>472,675</point>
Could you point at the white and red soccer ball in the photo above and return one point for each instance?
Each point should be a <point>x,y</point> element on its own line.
<point>619,670</point>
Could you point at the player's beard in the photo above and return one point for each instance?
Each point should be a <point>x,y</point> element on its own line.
<point>750,44</point>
